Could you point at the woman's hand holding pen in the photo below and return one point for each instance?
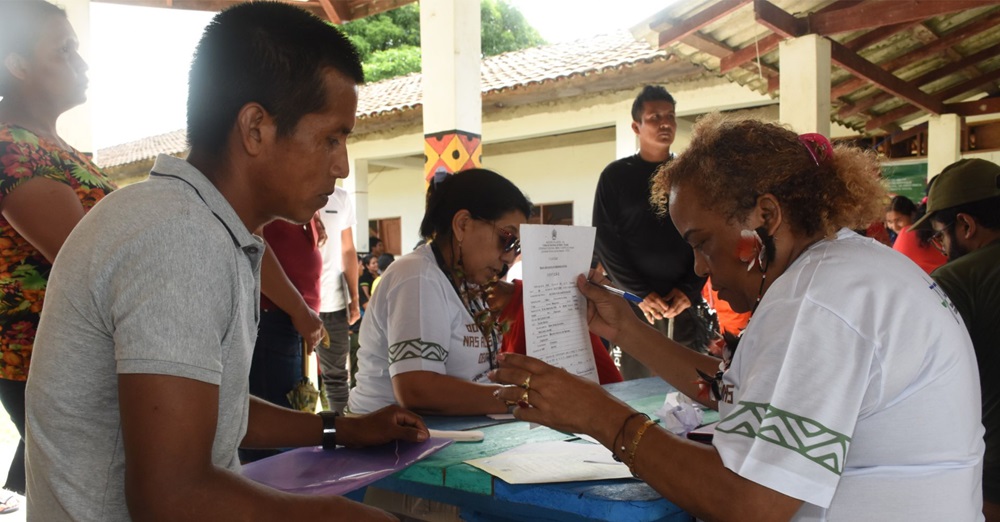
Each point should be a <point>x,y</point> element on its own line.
<point>607,313</point>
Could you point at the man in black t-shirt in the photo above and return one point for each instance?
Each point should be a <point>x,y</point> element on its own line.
<point>642,252</point>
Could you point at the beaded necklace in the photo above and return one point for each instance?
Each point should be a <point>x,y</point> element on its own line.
<point>474,299</point>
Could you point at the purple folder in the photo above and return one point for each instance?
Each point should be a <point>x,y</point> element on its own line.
<point>314,471</point>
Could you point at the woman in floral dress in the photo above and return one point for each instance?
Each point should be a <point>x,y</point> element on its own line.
<point>46,186</point>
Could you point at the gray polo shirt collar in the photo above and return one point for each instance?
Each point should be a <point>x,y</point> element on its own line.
<point>171,167</point>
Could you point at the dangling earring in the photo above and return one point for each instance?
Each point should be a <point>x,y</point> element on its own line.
<point>457,268</point>
<point>766,253</point>
<point>764,257</point>
<point>749,248</point>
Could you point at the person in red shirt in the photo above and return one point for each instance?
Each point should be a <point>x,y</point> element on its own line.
<point>911,243</point>
<point>289,313</point>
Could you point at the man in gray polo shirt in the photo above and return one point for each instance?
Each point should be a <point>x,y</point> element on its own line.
<point>138,397</point>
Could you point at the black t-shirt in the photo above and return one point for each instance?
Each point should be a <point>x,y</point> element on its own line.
<point>641,251</point>
<point>364,280</point>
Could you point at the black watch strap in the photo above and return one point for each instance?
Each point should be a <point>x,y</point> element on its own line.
<point>329,429</point>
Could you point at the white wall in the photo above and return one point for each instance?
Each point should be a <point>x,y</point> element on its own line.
<point>397,193</point>
<point>558,175</point>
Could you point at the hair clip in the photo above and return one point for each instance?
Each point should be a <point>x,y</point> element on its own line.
<point>818,145</point>
<point>439,176</point>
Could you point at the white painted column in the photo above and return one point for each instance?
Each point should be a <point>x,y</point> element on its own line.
<point>626,142</point>
<point>356,186</point>
<point>805,84</point>
<point>944,134</point>
<point>452,95</point>
<point>75,126</point>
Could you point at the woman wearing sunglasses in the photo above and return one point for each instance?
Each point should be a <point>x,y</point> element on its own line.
<point>428,340</point>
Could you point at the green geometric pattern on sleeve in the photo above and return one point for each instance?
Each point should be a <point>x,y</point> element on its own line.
<point>417,349</point>
<point>802,435</point>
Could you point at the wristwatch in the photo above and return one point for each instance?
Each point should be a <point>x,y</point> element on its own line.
<point>329,429</point>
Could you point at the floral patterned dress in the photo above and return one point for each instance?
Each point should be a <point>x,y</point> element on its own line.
<point>24,271</point>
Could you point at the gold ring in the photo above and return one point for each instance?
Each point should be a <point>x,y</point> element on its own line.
<point>527,383</point>
<point>524,399</point>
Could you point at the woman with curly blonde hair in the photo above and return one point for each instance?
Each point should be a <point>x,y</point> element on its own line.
<point>853,394</point>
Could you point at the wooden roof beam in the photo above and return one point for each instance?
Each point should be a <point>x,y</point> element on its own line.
<point>931,76</point>
<point>709,45</point>
<point>787,25</point>
<point>870,15</point>
<point>858,66</point>
<point>877,35</point>
<point>777,20</point>
<point>905,110</point>
<point>331,12</point>
<point>918,54</point>
<point>771,41</point>
<point>748,53</point>
<point>365,8</point>
<point>974,108</point>
<point>206,5</point>
<point>692,24</point>
<point>901,136</point>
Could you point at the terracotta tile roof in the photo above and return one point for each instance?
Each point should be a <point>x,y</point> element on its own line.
<point>170,143</point>
<point>501,73</point>
<point>520,69</point>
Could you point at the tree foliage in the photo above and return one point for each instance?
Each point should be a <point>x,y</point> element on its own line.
<point>389,42</point>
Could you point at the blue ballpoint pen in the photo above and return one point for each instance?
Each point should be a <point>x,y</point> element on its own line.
<point>627,295</point>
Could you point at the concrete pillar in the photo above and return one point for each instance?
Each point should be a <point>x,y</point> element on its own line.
<point>356,186</point>
<point>452,96</point>
<point>75,125</point>
<point>944,134</point>
<point>805,84</point>
<point>626,142</point>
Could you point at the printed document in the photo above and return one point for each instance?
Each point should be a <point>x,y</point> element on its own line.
<point>555,313</point>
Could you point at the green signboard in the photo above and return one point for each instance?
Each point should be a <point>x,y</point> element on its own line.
<point>906,180</point>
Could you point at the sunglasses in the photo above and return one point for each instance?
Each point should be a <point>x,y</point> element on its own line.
<point>508,241</point>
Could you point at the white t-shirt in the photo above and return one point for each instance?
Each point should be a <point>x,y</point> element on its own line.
<point>337,216</point>
<point>855,389</point>
<point>415,322</point>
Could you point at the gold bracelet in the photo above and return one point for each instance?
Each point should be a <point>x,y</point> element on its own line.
<point>635,445</point>
<point>615,448</point>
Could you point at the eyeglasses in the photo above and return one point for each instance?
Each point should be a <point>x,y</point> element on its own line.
<point>938,238</point>
<point>508,241</point>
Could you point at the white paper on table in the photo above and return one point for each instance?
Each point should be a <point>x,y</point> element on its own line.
<point>546,462</point>
<point>555,312</point>
<point>680,414</point>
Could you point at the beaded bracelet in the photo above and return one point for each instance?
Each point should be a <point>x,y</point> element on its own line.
<point>621,435</point>
<point>635,445</point>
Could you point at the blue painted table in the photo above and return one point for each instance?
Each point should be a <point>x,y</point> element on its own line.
<point>444,477</point>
